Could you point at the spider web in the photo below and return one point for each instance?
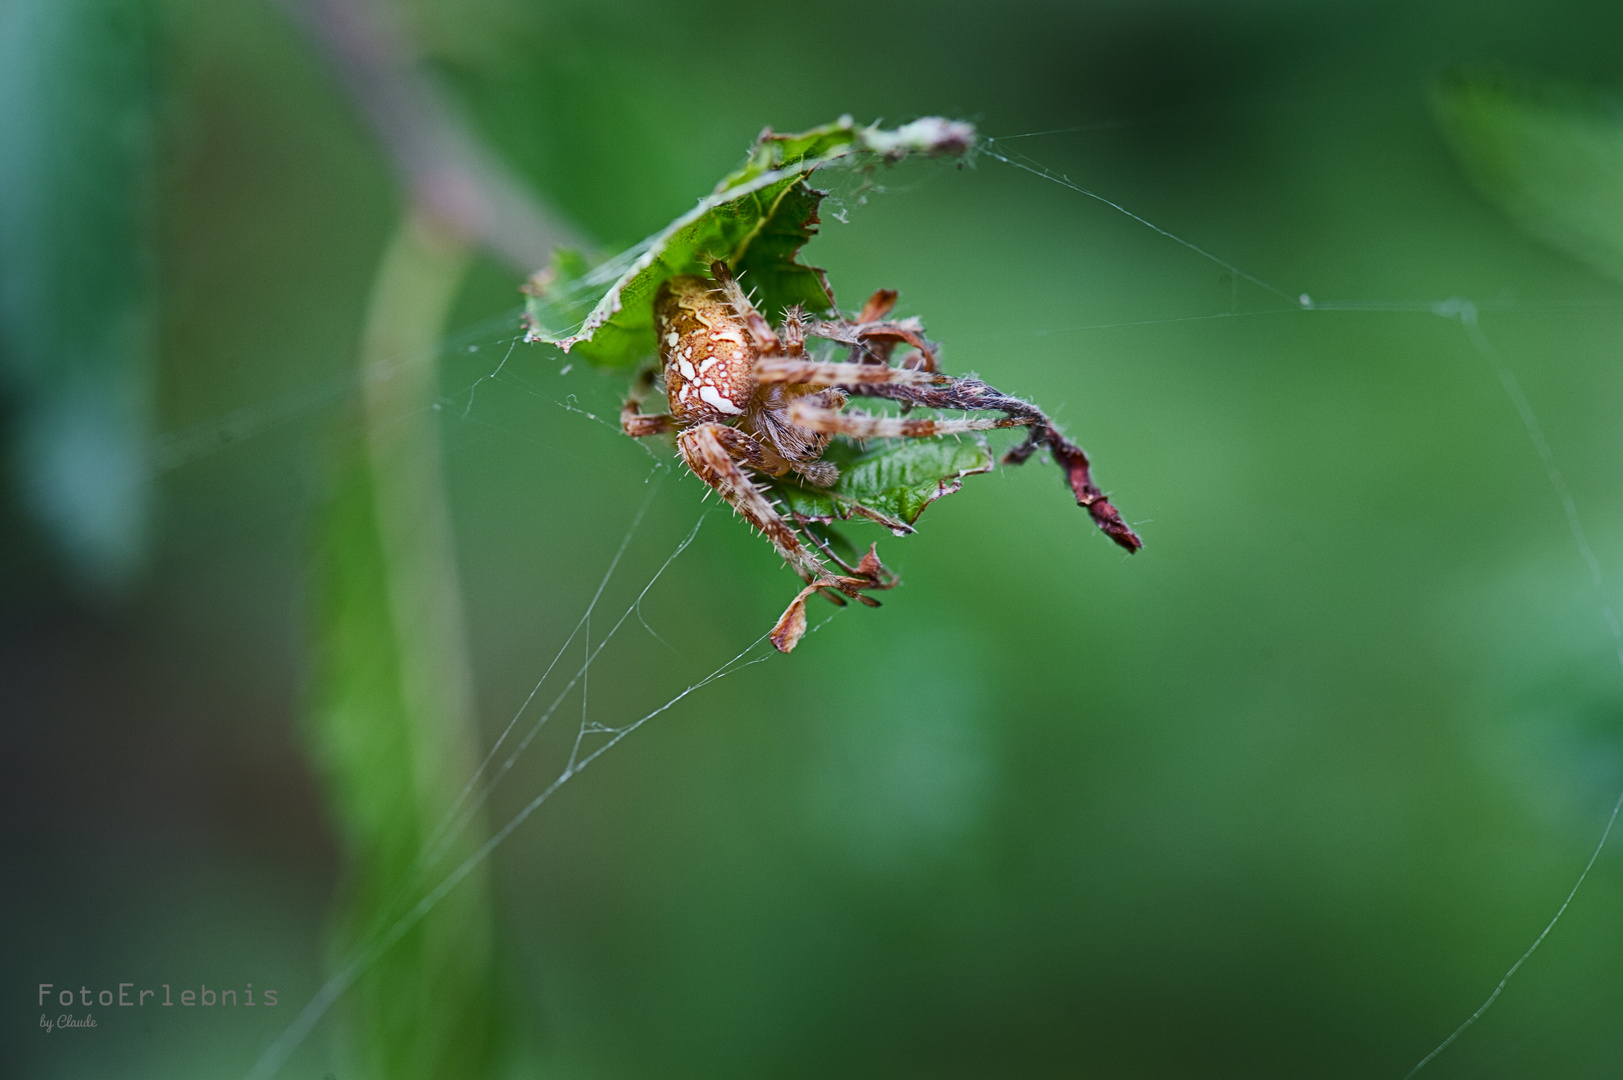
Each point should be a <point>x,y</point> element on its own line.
<point>426,883</point>
<point>430,880</point>
<point>1466,313</point>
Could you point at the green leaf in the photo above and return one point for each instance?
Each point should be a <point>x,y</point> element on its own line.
<point>431,1004</point>
<point>389,719</point>
<point>1551,156</point>
<point>890,483</point>
<point>756,220</point>
<point>768,263</point>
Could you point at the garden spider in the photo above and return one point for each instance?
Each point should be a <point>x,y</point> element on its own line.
<point>744,398</point>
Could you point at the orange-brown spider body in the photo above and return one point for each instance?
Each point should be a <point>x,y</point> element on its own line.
<point>709,351</point>
<point>704,350</point>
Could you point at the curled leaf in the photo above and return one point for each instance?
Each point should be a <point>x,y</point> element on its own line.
<point>791,625</point>
<point>869,574</point>
<point>871,568</point>
<point>756,221</point>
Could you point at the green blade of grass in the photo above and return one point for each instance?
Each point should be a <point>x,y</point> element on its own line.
<point>390,718</point>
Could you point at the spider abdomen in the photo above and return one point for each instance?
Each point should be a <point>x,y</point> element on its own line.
<point>705,352</point>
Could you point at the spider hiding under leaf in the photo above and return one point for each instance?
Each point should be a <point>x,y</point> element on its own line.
<point>748,399</point>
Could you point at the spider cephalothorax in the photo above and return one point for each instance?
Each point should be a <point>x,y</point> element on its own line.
<point>745,398</point>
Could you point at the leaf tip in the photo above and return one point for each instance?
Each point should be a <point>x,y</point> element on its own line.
<point>929,135</point>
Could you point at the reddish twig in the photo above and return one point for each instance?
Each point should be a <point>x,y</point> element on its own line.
<point>972,395</point>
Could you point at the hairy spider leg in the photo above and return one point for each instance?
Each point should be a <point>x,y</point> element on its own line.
<point>871,340</point>
<point>713,451</point>
<point>793,332</point>
<point>972,395</point>
<point>633,421</point>
<point>788,446</point>
<point>867,426</point>
<point>872,343</point>
<point>777,369</point>
<point>755,324</point>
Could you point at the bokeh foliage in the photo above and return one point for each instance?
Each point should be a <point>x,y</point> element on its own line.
<point>78,105</point>
<point>1552,155</point>
<point>1284,795</point>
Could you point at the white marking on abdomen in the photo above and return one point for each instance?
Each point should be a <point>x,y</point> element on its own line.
<point>713,397</point>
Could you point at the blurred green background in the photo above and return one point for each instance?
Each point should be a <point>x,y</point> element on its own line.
<point>1284,795</point>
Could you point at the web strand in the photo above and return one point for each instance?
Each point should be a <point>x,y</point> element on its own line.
<point>1466,313</point>
<point>471,809</point>
<point>989,147</point>
<point>271,1061</point>
<point>454,822</point>
<point>1562,910</point>
<point>478,774</point>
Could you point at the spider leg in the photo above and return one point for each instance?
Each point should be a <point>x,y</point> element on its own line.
<point>867,426</point>
<point>793,332</point>
<point>877,340</point>
<point>714,453</point>
<point>816,473</point>
<point>755,324</point>
<point>778,369</point>
<point>632,419</point>
<point>973,395</point>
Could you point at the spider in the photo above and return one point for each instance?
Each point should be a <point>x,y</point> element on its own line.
<point>745,398</point>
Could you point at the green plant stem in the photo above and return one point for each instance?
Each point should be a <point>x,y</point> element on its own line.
<point>417,281</point>
<point>391,720</point>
